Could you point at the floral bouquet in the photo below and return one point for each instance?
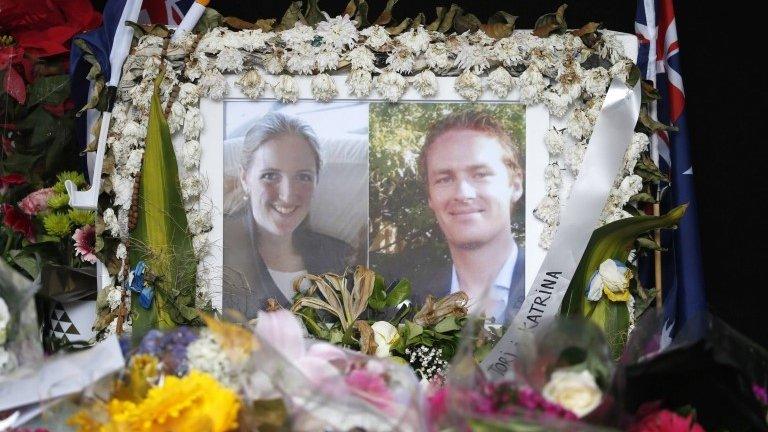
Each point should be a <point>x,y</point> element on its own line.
<point>560,382</point>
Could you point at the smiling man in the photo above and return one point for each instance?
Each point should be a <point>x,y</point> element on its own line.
<point>473,178</point>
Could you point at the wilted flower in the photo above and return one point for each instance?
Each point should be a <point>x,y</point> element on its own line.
<point>229,59</point>
<point>555,141</point>
<point>359,82</point>
<point>575,391</point>
<point>85,243</point>
<point>438,57</point>
<point>361,58</point>
<point>323,87</point>
<point>251,83</point>
<point>425,83</point>
<point>401,59</point>
<point>339,31</point>
<point>415,39</point>
<point>469,86</point>
<point>612,279</point>
<point>36,201</point>
<point>377,36</point>
<point>286,89</point>
<point>390,86</point>
<point>500,82</point>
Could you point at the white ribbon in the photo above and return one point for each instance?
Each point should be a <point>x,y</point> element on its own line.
<point>603,159</point>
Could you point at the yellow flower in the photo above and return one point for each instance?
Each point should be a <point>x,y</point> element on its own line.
<point>196,402</point>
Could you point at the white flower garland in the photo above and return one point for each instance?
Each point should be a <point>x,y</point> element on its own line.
<point>546,70</point>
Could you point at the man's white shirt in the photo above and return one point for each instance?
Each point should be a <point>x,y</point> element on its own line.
<point>497,296</point>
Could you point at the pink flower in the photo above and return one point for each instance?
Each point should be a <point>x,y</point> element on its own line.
<point>370,387</point>
<point>437,407</point>
<point>85,243</point>
<point>761,394</point>
<point>666,421</point>
<point>36,202</point>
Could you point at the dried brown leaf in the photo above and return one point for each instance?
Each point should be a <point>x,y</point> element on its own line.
<point>551,23</point>
<point>498,30</point>
<point>447,23</point>
<point>466,22</point>
<point>350,8</point>
<point>291,16</point>
<point>367,343</point>
<point>434,25</point>
<point>394,31</point>
<point>386,15</point>
<point>586,29</point>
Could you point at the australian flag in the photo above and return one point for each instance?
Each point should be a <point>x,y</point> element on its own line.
<point>659,61</point>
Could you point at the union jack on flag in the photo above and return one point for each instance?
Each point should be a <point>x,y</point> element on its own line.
<point>168,12</point>
<point>659,61</point>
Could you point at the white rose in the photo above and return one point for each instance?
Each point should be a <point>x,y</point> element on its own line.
<point>5,319</point>
<point>385,335</point>
<point>575,391</point>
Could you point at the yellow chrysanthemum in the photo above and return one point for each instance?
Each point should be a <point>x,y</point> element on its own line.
<point>195,402</point>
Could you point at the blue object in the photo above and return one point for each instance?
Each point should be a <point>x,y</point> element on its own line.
<point>146,293</point>
<point>682,271</point>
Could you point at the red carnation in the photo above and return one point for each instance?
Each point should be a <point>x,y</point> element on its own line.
<point>659,420</point>
<point>12,179</point>
<point>18,221</point>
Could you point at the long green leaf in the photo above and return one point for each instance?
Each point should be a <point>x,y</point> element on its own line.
<point>613,241</point>
<point>161,238</point>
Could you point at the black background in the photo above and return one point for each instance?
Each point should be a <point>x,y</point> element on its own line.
<point>723,50</point>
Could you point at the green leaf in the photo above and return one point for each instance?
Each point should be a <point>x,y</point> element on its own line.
<point>378,298</point>
<point>646,243</point>
<point>447,324</point>
<point>161,238</point>
<point>648,170</point>
<point>52,90</point>
<point>612,241</point>
<point>642,197</point>
<point>414,330</point>
<point>399,293</point>
<point>42,124</point>
<point>650,126</point>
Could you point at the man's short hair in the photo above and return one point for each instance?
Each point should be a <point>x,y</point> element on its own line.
<point>475,120</point>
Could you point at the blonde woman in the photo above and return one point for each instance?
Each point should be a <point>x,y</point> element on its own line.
<point>268,243</point>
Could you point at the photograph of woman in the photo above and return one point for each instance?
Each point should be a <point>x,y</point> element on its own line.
<point>269,239</point>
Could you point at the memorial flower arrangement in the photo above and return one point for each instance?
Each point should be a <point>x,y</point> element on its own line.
<point>569,72</point>
<point>352,350</point>
<point>358,310</point>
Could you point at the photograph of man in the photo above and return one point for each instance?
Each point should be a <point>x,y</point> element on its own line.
<point>473,176</point>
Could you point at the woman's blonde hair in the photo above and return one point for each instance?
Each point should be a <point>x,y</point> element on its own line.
<point>273,125</point>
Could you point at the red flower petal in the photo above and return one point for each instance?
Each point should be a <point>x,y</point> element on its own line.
<point>14,85</point>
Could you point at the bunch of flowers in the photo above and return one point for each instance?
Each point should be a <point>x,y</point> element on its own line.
<point>358,310</point>
<point>170,348</point>
<point>44,219</point>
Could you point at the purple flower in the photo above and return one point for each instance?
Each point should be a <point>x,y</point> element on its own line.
<point>760,393</point>
<point>169,347</point>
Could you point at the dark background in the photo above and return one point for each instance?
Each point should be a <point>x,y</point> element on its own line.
<point>722,52</point>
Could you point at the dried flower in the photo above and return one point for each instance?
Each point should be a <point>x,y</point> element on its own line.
<point>323,88</point>
<point>340,32</point>
<point>425,83</point>
<point>229,60</point>
<point>500,82</point>
<point>469,86</point>
<point>438,56</point>
<point>555,141</point>
<point>286,89</point>
<point>390,86</point>
<point>252,84</point>
<point>401,59</point>
<point>361,58</point>
<point>359,82</point>
<point>376,36</point>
